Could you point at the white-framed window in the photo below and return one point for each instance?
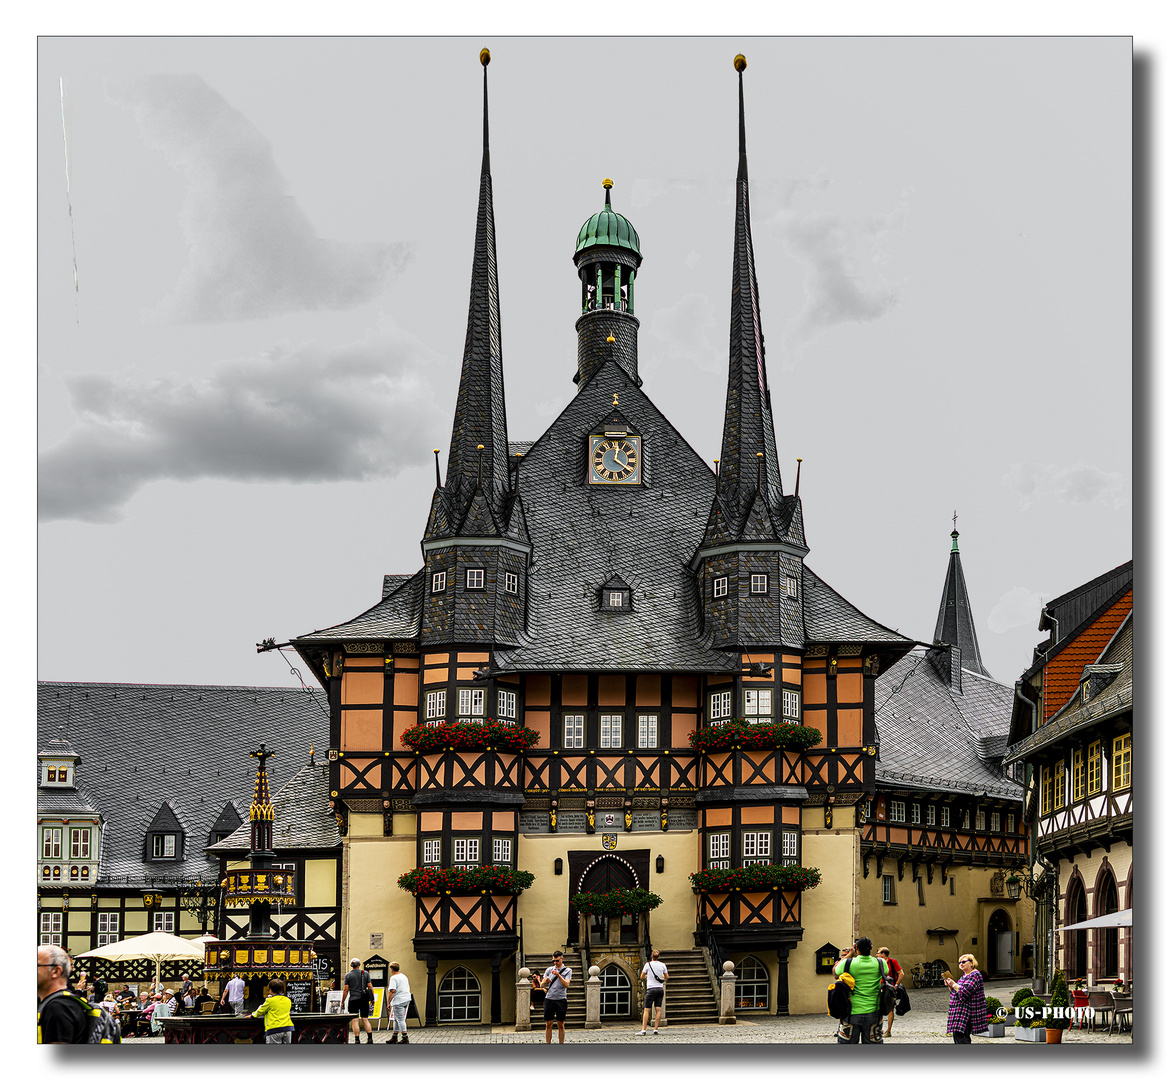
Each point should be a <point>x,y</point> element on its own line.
<point>719,587</point>
<point>51,846</point>
<point>511,583</point>
<point>757,703</point>
<point>439,581</point>
<point>915,813</point>
<point>506,704</point>
<point>946,817</point>
<point>610,731</point>
<point>790,704</point>
<point>788,845</point>
<point>720,705</point>
<point>897,810</point>
<point>502,850</point>
<point>930,813</point>
<point>465,851</point>
<point>888,889</point>
<point>647,731</point>
<point>966,825</point>
<point>759,583</point>
<point>470,703</point>
<point>614,598</point>
<point>980,820</point>
<point>474,579</point>
<point>50,928</point>
<point>1011,824</point>
<point>436,704</point>
<point>753,985</point>
<point>995,819</point>
<point>164,846</point>
<point>574,732</point>
<point>163,921</point>
<point>718,851</point>
<point>757,848</point>
<point>79,843</point>
<point>790,585</point>
<point>432,852</point>
<point>109,927</point>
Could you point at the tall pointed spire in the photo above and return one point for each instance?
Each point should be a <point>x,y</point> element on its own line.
<point>748,429</point>
<point>479,410</point>
<point>955,624</point>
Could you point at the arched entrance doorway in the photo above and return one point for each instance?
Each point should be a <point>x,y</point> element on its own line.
<point>1076,910</point>
<point>1000,944</point>
<point>603,874</point>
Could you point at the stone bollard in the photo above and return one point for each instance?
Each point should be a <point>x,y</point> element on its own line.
<point>727,994</point>
<point>593,998</point>
<point>523,1000</point>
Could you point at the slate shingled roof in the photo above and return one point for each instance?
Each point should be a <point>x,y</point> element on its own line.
<point>829,617</point>
<point>397,615</point>
<point>301,816</point>
<point>935,739</point>
<point>584,534</point>
<point>143,745</point>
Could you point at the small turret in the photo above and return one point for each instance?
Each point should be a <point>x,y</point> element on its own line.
<point>607,258</point>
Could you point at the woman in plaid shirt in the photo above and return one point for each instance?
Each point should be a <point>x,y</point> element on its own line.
<point>968,1009</point>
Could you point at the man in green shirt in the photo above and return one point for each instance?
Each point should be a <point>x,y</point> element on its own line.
<point>865,1019</point>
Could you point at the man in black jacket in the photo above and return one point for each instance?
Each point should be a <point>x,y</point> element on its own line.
<point>59,1020</point>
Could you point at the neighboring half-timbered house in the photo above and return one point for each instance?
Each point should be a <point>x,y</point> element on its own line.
<point>1072,732</point>
<point>135,782</point>
<point>606,590</point>
<point>945,827</point>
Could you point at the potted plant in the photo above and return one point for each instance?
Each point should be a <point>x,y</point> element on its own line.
<point>1018,998</point>
<point>1058,1019</point>
<point>1029,1026</point>
<point>1119,986</point>
<point>994,1020</point>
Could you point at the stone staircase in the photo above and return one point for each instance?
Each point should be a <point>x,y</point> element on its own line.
<point>689,998</point>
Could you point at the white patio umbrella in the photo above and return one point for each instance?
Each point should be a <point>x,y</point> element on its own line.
<point>156,946</point>
<point>1104,922</point>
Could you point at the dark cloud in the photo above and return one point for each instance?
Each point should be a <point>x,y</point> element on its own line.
<point>842,281</point>
<point>251,251</point>
<point>300,416</point>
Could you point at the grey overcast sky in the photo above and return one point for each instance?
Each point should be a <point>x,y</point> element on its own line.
<point>252,294</point>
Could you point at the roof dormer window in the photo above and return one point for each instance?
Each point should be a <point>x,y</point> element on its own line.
<point>164,846</point>
<point>615,595</point>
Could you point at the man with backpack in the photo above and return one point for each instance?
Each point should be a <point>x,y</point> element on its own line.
<point>359,999</point>
<point>63,1016</point>
<point>864,1023</point>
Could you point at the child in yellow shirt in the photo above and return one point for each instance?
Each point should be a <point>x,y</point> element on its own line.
<point>276,1010</point>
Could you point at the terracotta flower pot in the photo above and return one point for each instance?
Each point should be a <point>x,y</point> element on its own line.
<point>1053,1035</point>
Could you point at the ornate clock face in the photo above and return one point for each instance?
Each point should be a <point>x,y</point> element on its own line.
<point>615,459</point>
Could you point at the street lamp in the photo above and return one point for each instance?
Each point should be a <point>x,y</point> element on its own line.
<point>1022,880</point>
<point>199,898</point>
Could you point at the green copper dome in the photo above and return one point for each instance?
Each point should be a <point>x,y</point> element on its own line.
<point>607,228</point>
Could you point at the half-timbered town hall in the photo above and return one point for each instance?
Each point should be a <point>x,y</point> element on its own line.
<point>606,591</point>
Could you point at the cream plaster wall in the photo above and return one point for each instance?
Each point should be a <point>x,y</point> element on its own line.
<point>320,883</point>
<point>828,913</point>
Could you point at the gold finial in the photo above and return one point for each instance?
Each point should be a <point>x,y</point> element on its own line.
<point>518,454</point>
<point>607,183</point>
<point>485,57</point>
<point>609,340</point>
<point>615,394</point>
<point>740,62</point>
<point>759,454</point>
<point>480,446</point>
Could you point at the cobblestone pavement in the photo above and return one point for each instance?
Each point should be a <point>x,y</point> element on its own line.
<point>925,1024</point>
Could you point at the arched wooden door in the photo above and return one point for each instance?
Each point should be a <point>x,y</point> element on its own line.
<point>605,873</point>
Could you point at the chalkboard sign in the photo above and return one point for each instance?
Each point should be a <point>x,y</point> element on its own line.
<point>300,992</point>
